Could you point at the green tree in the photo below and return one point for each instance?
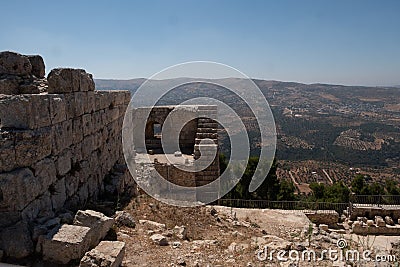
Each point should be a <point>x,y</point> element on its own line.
<point>358,184</point>
<point>286,191</point>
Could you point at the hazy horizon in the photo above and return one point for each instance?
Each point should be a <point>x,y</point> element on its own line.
<point>337,42</point>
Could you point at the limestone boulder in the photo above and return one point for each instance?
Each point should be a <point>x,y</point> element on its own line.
<point>150,225</point>
<point>180,232</point>
<point>69,243</point>
<point>389,220</point>
<point>123,218</point>
<point>379,221</point>
<point>98,223</point>
<point>159,239</point>
<point>107,253</point>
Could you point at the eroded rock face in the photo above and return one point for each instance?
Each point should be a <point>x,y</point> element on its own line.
<point>67,80</point>
<point>16,241</point>
<point>20,74</point>
<point>38,68</point>
<point>14,64</point>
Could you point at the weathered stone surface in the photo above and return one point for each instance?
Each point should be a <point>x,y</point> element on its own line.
<point>38,68</point>
<point>323,227</point>
<point>15,112</point>
<point>67,80</point>
<point>70,242</point>
<point>24,111</point>
<point>87,124</point>
<point>40,207</point>
<point>18,188</point>
<point>159,239</point>
<point>107,253</point>
<point>63,80</point>
<point>123,218</point>
<point>9,218</point>
<point>16,241</point>
<point>379,221</point>
<point>14,63</point>
<point>9,86</point>
<point>45,172</point>
<point>63,162</point>
<point>99,224</point>
<point>57,108</point>
<point>32,146</point>
<point>7,151</point>
<point>62,134</point>
<point>389,220</point>
<point>58,194</point>
<point>180,232</point>
<point>152,225</point>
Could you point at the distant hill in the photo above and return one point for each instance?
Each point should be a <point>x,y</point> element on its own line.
<point>350,125</point>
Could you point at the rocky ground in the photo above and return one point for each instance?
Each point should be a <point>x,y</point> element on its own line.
<point>220,236</point>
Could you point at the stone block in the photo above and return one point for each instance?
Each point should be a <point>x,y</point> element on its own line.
<point>41,206</point>
<point>77,130</point>
<point>97,120</point>
<point>58,194</point>
<point>14,63</point>
<point>7,151</point>
<point>76,151</point>
<point>62,136</point>
<point>87,124</point>
<point>69,243</point>
<point>159,239</point>
<point>69,106</point>
<point>86,82</point>
<point>71,184</point>
<point>90,104</point>
<point>63,162</point>
<point>38,68</point>
<point>32,146</point>
<point>80,99</point>
<point>98,223</point>
<point>15,112</point>
<point>63,80</point>
<point>18,188</point>
<point>16,241</point>
<point>107,253</point>
<point>45,173</point>
<point>9,86</point>
<point>102,99</point>
<point>58,109</point>
<point>88,146</point>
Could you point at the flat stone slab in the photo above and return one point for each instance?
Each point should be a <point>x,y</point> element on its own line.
<point>69,243</point>
<point>107,253</point>
<point>98,223</point>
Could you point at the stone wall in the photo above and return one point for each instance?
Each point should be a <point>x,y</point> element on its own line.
<point>371,211</point>
<point>60,141</point>
<point>328,217</point>
<point>197,128</point>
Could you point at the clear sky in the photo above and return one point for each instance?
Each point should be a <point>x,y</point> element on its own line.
<point>342,42</point>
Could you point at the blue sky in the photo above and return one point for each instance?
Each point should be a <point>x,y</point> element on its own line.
<point>342,42</point>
